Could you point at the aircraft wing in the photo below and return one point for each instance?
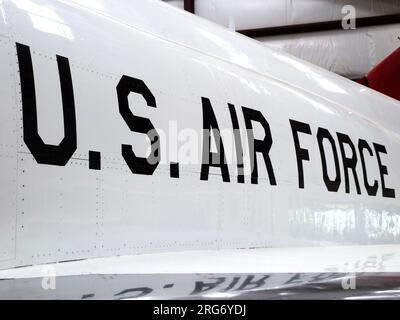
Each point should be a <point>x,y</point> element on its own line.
<point>353,272</point>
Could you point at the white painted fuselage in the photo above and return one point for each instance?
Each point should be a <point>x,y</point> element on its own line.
<point>77,192</point>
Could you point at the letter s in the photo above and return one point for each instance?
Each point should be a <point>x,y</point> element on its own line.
<point>137,165</point>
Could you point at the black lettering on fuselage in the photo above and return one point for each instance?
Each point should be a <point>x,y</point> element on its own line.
<point>58,155</point>
<point>212,159</point>
<point>386,192</point>
<point>301,153</point>
<point>262,146</point>
<point>138,165</point>
<point>372,190</point>
<point>331,185</point>
<point>349,162</point>
<point>238,143</point>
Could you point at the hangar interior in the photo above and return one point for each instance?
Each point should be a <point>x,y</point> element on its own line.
<point>320,32</point>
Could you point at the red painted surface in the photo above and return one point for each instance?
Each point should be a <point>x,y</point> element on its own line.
<point>385,77</point>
